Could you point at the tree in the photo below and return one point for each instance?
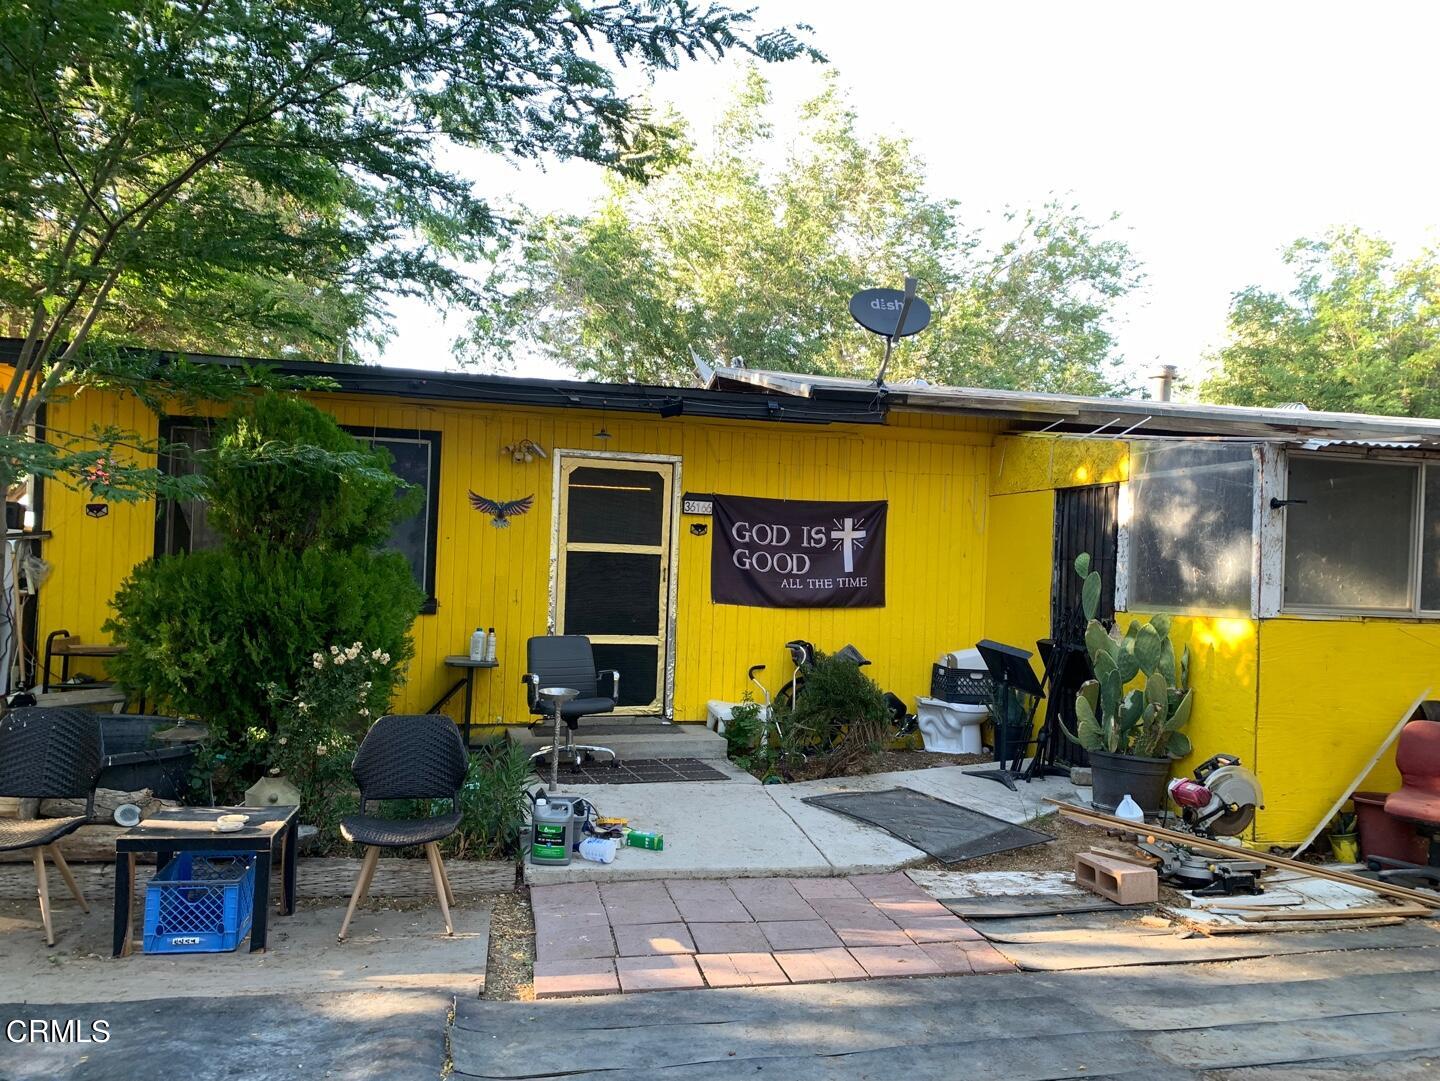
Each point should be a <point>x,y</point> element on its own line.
<point>1359,332</point>
<point>740,261</point>
<point>226,635</point>
<point>262,171</point>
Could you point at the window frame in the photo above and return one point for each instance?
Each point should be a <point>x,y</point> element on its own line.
<point>166,434</point>
<point>1125,508</point>
<point>170,422</point>
<point>1418,467</point>
<point>432,496</point>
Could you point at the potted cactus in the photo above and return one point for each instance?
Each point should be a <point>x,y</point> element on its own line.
<point>1129,717</point>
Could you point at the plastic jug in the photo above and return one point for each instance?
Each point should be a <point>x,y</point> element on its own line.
<point>552,831</point>
<point>1129,810</point>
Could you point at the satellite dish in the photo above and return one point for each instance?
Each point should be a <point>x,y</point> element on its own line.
<point>891,313</point>
<point>878,311</point>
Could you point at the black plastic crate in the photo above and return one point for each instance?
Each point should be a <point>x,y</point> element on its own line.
<point>971,686</point>
<point>133,761</point>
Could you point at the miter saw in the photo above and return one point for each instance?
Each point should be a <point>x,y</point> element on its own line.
<point>1219,803</point>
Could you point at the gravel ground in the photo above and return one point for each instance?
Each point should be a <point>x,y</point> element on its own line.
<point>510,971</point>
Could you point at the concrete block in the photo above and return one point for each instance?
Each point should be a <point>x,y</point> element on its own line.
<point>670,972</point>
<point>740,969</point>
<point>562,979</point>
<point>1123,883</point>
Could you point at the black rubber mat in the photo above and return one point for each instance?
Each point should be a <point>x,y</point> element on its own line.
<point>947,831</point>
<point>640,771</point>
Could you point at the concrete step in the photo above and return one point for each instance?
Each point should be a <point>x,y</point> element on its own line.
<point>635,739</point>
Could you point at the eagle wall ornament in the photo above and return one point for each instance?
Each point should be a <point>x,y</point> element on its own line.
<point>501,513</point>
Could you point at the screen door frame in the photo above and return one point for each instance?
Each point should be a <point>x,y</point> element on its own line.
<point>665,682</point>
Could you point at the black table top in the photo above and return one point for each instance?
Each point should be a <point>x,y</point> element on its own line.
<point>462,661</point>
<point>179,828</point>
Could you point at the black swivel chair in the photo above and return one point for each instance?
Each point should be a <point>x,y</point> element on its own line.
<point>48,754</point>
<point>566,660</point>
<point>406,757</point>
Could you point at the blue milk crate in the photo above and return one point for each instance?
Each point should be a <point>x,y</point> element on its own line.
<point>200,902</point>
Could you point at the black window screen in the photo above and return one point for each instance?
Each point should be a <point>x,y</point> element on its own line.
<point>639,668</point>
<point>183,525</point>
<point>415,459</point>
<point>615,506</point>
<point>612,593</point>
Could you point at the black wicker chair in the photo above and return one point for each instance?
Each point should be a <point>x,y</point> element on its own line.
<point>566,660</point>
<point>406,757</point>
<point>48,754</point>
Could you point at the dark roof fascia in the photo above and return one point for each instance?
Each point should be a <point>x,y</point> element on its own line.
<point>477,388</point>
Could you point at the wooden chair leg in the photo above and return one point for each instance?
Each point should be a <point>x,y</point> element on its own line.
<point>43,888</point>
<point>437,871</point>
<point>362,887</point>
<point>444,874</point>
<point>69,877</point>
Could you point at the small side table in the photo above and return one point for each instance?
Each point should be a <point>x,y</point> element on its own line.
<point>192,829</point>
<point>468,682</point>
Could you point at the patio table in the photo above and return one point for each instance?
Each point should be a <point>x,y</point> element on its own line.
<point>192,829</point>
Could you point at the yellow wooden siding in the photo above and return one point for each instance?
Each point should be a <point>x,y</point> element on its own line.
<point>935,477</point>
<point>1032,463</point>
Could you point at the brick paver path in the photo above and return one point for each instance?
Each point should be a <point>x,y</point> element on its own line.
<point>654,936</point>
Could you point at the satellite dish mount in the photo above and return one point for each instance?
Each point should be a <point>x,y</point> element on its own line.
<point>891,313</point>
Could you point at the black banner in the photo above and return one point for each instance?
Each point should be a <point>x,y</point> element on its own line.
<point>798,553</point>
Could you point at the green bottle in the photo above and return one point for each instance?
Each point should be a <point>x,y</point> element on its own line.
<point>655,842</point>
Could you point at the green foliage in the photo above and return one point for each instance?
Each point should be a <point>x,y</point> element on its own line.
<point>839,716</point>
<point>259,176</point>
<point>1146,719</point>
<point>1358,332</point>
<point>733,258</point>
<point>743,730</point>
<point>231,636</point>
<point>318,726</point>
<point>284,475</point>
<point>493,803</point>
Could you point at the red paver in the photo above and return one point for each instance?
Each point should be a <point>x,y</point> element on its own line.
<point>894,885</point>
<point>562,979</point>
<point>873,936</point>
<point>740,969</point>
<point>880,961</point>
<point>706,902</point>
<point>800,935</point>
<point>841,911</point>
<point>729,938</point>
<point>905,911</point>
<point>665,973</point>
<point>820,966</point>
<point>986,958</point>
<point>949,956</point>
<point>638,902</point>
<point>645,939</point>
<point>770,899</point>
<point>832,888</point>
<point>567,897</point>
<point>942,929</point>
<point>573,940</point>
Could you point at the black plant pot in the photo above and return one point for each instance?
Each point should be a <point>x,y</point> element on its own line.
<point>1116,775</point>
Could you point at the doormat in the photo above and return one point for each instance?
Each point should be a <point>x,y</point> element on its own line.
<point>637,771</point>
<point>947,831</point>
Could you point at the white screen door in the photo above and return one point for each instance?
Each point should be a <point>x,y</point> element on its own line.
<point>613,570</point>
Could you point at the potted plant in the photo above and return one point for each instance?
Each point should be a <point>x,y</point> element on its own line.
<point>1129,717</point>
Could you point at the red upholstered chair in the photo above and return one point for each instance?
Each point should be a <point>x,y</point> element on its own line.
<point>1418,800</point>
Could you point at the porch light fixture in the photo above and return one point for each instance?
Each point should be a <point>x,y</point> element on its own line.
<point>673,408</point>
<point>526,450</point>
<point>604,432</point>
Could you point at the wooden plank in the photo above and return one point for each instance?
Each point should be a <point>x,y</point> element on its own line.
<point>1364,771</point>
<point>1272,916</point>
<point>1385,889</point>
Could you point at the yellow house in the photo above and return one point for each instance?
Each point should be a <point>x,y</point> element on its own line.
<point>1311,625</point>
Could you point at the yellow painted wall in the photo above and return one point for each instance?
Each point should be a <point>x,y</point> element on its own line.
<point>1033,463</point>
<point>1330,691</point>
<point>933,470</point>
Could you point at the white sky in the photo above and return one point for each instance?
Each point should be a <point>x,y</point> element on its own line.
<point>1219,131</point>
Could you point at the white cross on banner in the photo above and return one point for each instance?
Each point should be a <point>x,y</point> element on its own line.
<point>798,553</point>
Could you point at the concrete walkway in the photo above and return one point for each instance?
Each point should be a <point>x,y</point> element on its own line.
<point>737,830</point>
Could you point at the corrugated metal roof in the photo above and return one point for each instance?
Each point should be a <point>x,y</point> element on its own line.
<point>1065,412</point>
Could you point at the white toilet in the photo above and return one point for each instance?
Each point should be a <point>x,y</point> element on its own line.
<point>953,727</point>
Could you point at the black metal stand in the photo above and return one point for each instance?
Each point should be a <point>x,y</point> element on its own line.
<point>1010,669</point>
<point>468,682</point>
